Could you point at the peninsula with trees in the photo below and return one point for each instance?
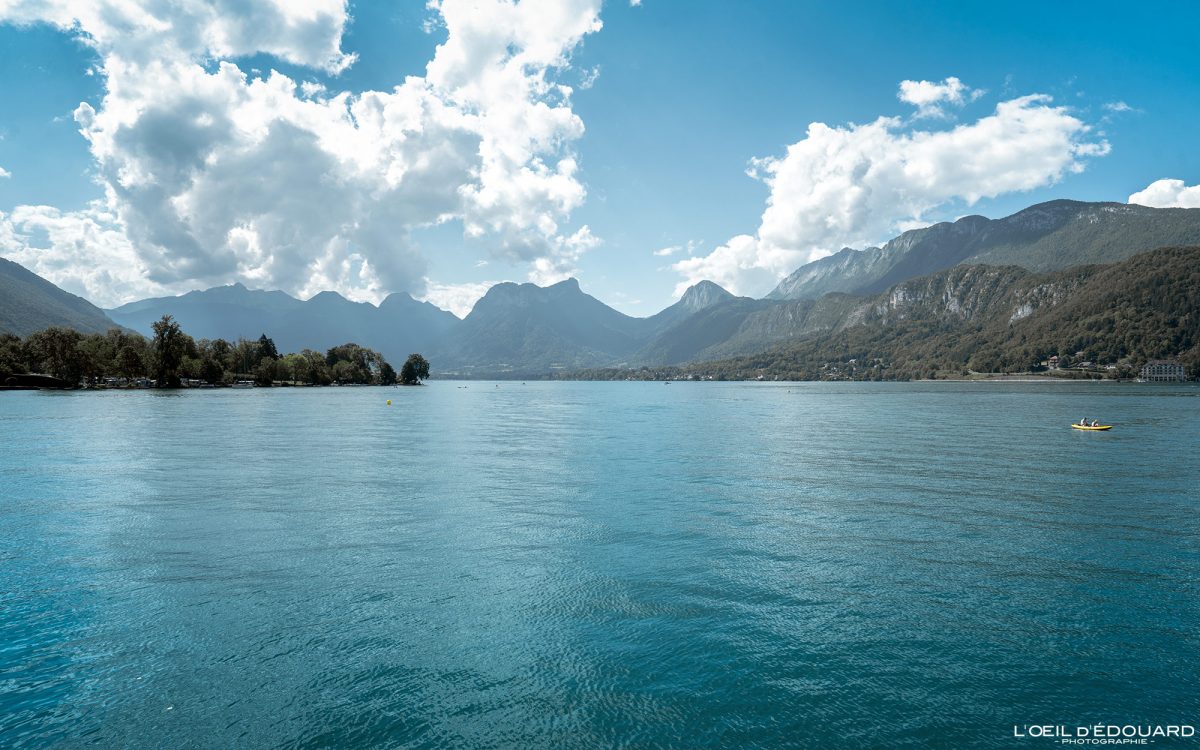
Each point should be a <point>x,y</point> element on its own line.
<point>171,359</point>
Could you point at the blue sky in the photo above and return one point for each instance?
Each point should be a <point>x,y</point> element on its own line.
<point>671,103</point>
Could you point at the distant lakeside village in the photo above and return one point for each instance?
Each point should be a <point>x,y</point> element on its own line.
<point>1055,368</point>
<point>62,358</point>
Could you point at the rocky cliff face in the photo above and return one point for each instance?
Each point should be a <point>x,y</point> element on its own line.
<point>703,295</point>
<point>844,271</point>
<point>1046,237</point>
<point>967,294</point>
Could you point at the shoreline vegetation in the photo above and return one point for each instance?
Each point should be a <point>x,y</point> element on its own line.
<point>62,358</point>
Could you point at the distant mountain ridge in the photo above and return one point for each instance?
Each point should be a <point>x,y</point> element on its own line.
<point>1003,319</point>
<point>29,303</point>
<point>399,326</point>
<point>1044,237</point>
<point>523,330</point>
<point>527,328</point>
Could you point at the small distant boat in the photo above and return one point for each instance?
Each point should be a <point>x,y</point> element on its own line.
<point>1097,427</point>
<point>244,384</point>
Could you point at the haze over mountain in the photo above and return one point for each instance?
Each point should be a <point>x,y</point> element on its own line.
<point>399,326</point>
<point>527,328</point>
<point>1045,237</point>
<point>29,303</point>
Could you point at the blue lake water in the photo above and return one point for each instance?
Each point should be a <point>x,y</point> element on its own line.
<point>579,565</point>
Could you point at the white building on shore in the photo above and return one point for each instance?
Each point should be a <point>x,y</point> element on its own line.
<point>1163,371</point>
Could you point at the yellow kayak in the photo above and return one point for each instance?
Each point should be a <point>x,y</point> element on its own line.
<point>1097,427</point>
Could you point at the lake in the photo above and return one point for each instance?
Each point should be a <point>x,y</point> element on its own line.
<point>580,565</point>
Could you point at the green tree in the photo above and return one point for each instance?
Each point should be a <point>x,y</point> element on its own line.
<point>98,355</point>
<point>415,369</point>
<point>13,355</point>
<point>57,350</point>
<point>191,368</point>
<point>264,373</point>
<point>211,369</point>
<point>316,371</point>
<point>344,372</point>
<point>130,362</point>
<point>387,373</point>
<point>266,348</point>
<point>170,346</point>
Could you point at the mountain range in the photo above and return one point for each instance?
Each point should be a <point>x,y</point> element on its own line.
<point>397,327</point>
<point>1046,237</point>
<point>530,331</point>
<point>1000,319</point>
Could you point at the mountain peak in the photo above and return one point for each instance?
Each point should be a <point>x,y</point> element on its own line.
<point>327,297</point>
<point>397,298</point>
<point>703,294</point>
<point>568,284</point>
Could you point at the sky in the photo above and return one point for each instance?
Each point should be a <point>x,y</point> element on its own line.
<point>152,147</point>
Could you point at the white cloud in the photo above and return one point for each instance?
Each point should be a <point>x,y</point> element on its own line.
<point>1119,107</point>
<point>858,184</point>
<point>311,89</point>
<point>85,252</point>
<point>4,173</point>
<point>457,298</point>
<point>1168,194</point>
<point>146,32</point>
<point>667,252</point>
<point>214,174</point>
<point>589,77</point>
<point>560,263</point>
<point>740,266</point>
<point>930,98</point>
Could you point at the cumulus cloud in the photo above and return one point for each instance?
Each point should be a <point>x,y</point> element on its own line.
<point>214,173</point>
<point>856,184</point>
<point>85,252</point>
<point>931,98</point>
<point>1168,194</point>
<point>145,32</point>
<point>4,173</point>
<point>559,263</point>
<point>457,298</point>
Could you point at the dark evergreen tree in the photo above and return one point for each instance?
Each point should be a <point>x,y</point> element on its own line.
<point>266,349</point>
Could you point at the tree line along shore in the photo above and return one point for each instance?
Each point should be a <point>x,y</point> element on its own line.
<point>62,357</point>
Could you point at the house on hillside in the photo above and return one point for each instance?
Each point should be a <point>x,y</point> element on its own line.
<point>1163,371</point>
